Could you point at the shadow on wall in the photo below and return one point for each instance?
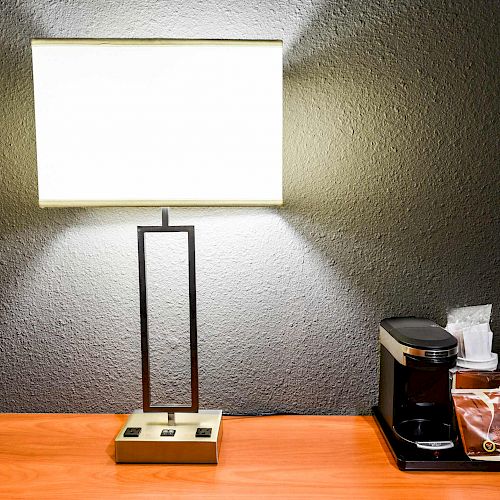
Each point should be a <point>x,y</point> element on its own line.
<point>391,151</point>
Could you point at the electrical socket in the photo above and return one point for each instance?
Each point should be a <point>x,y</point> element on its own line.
<point>132,432</point>
<point>203,432</point>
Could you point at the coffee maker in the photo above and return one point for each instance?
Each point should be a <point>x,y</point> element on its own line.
<point>415,409</point>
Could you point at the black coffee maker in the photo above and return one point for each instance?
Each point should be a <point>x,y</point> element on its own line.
<point>415,408</point>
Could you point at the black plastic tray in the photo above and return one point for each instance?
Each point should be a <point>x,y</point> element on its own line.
<point>409,460</point>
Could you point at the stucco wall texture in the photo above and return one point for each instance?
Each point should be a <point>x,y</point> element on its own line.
<point>391,204</point>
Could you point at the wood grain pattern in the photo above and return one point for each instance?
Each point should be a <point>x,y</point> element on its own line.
<point>282,457</point>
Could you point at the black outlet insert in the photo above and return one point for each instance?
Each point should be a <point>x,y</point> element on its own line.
<point>168,432</point>
<point>203,432</point>
<point>132,432</point>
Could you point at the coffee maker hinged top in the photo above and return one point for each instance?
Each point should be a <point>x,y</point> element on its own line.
<point>415,410</point>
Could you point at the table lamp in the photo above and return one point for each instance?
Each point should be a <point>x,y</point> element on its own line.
<point>166,123</point>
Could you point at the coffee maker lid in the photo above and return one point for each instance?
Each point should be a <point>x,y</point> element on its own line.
<point>419,333</point>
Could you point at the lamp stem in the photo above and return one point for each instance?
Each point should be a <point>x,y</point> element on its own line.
<point>193,332</point>
<point>171,419</point>
<point>164,217</point>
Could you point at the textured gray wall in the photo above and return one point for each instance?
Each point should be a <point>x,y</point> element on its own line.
<point>391,184</point>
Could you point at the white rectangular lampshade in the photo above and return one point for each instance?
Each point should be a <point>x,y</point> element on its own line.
<point>158,122</point>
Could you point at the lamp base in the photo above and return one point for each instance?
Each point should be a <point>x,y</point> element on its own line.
<point>147,438</point>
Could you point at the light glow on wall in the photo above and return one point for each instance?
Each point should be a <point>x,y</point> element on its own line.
<point>158,122</point>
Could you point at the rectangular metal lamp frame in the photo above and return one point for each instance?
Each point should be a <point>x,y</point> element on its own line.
<point>193,335</point>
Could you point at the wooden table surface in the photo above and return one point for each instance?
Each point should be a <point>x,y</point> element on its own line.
<point>71,456</point>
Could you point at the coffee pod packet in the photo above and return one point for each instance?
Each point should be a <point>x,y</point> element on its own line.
<point>476,397</point>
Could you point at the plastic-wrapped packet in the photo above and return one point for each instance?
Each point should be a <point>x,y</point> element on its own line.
<point>470,326</point>
<point>476,397</point>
